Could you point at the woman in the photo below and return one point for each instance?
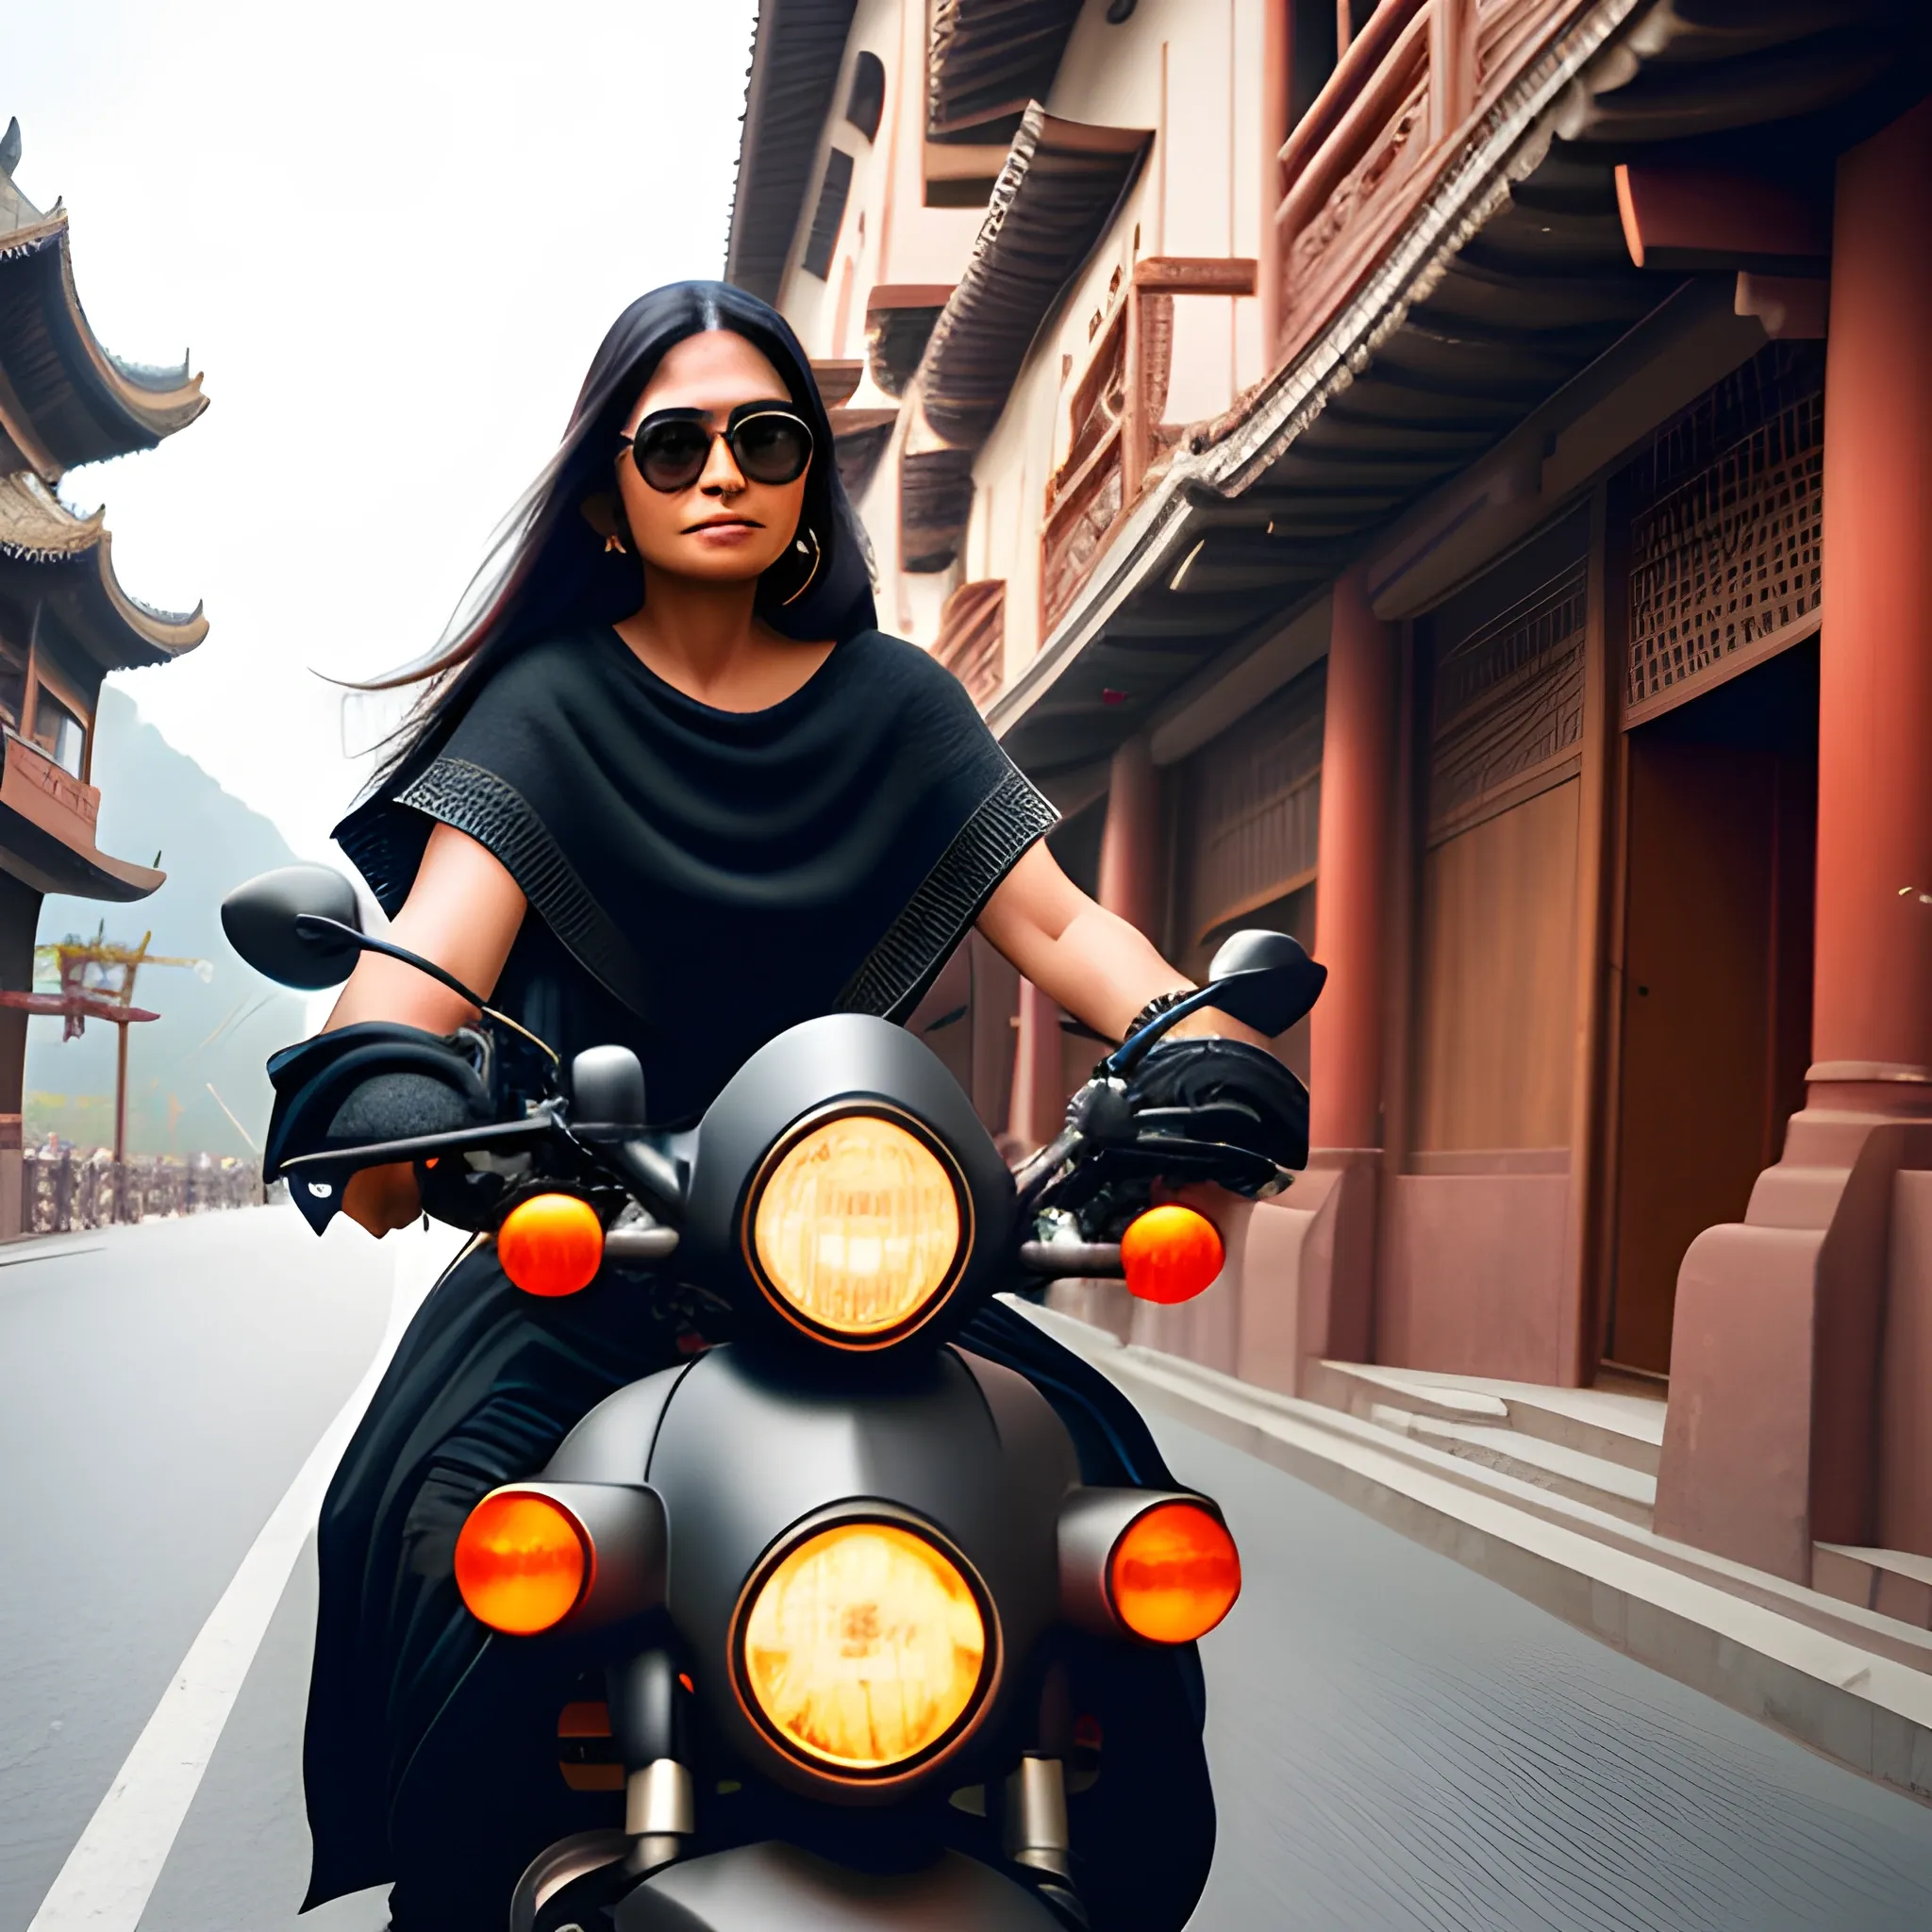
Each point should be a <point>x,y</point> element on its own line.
<point>670,787</point>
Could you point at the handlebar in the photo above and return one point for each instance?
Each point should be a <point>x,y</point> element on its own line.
<point>1073,1260</point>
<point>492,1134</point>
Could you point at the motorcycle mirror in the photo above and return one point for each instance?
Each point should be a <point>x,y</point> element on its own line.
<point>268,923</point>
<point>300,925</point>
<point>1265,980</point>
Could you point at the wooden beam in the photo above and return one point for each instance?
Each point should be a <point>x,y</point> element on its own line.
<point>837,379</point>
<point>1685,219</point>
<point>886,297</point>
<point>1196,274</point>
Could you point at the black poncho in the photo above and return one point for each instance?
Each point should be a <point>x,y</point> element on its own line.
<point>714,876</point>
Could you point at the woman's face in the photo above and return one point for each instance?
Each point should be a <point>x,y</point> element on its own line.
<point>724,528</point>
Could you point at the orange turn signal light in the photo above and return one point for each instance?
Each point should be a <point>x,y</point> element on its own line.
<point>551,1244</point>
<point>522,1563</point>
<point>1170,1253</point>
<point>1174,1574</point>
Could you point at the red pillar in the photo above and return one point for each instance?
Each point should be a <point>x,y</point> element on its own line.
<point>1277,59</point>
<point>1130,844</point>
<point>1131,886</point>
<point>1872,1038</point>
<point>1040,1099</point>
<point>1334,1297</point>
<point>1802,1345</point>
<point>1350,890</point>
<point>1871,1018</point>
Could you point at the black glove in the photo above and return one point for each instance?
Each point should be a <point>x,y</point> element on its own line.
<point>1222,1091</point>
<point>375,1081</point>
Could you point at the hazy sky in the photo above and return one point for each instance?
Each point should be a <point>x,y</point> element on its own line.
<point>392,236</point>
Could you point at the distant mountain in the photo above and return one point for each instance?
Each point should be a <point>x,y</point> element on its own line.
<point>213,1034</point>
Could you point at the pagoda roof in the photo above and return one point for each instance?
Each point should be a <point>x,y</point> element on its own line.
<point>71,561</point>
<point>794,67</point>
<point>65,399</point>
<point>1052,203</point>
<point>989,58</point>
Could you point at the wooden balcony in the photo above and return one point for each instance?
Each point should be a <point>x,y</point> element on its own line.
<point>1403,100</point>
<point>1117,432</point>
<point>1407,97</point>
<point>47,818</point>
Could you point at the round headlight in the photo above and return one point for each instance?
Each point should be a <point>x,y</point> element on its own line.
<point>864,1648</point>
<point>856,1229</point>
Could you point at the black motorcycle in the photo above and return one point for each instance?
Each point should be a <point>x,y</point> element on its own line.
<point>829,1601</point>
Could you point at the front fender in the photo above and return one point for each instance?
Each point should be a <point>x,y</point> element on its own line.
<point>778,1888</point>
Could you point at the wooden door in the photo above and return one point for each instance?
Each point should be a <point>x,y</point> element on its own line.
<point>1700,1048</point>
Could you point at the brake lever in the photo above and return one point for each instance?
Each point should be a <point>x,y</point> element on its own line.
<point>1097,1116</point>
<point>421,1146</point>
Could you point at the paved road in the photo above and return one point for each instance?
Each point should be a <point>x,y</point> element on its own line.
<point>1397,1742</point>
<point>159,1386</point>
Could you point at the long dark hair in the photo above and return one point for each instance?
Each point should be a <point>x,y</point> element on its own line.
<point>547,568</point>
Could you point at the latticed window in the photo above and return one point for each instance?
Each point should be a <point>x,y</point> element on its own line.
<point>1253,808</point>
<point>1508,706</point>
<point>1727,509</point>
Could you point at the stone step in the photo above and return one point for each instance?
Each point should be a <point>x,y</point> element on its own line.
<point>1896,1583</point>
<point>1190,1384</point>
<point>1619,1429</point>
<point>1609,1486</point>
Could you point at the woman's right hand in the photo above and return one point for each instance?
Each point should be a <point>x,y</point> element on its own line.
<point>463,912</point>
<point>383,1198</point>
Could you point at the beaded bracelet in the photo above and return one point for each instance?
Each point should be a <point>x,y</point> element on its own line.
<point>1161,1003</point>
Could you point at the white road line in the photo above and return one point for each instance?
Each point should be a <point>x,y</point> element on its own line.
<point>50,1251</point>
<point>112,1869</point>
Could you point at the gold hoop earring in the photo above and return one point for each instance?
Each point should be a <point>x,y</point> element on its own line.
<point>615,542</point>
<point>817,556</point>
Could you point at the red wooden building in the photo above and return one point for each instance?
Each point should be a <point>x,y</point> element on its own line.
<point>1451,478</point>
<point>65,621</point>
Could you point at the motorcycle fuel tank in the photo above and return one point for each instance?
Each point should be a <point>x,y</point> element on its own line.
<point>948,1451</point>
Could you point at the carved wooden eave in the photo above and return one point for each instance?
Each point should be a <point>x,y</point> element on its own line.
<point>935,504</point>
<point>972,636</point>
<point>837,380</point>
<point>64,564</point>
<point>899,322</point>
<point>986,59</point>
<point>794,67</point>
<point>1444,277</point>
<point>65,399</point>
<point>1055,198</point>
<point>858,440</point>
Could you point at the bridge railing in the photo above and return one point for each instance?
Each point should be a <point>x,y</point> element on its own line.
<point>64,1190</point>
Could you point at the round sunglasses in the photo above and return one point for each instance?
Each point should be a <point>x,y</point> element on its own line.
<point>769,442</point>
